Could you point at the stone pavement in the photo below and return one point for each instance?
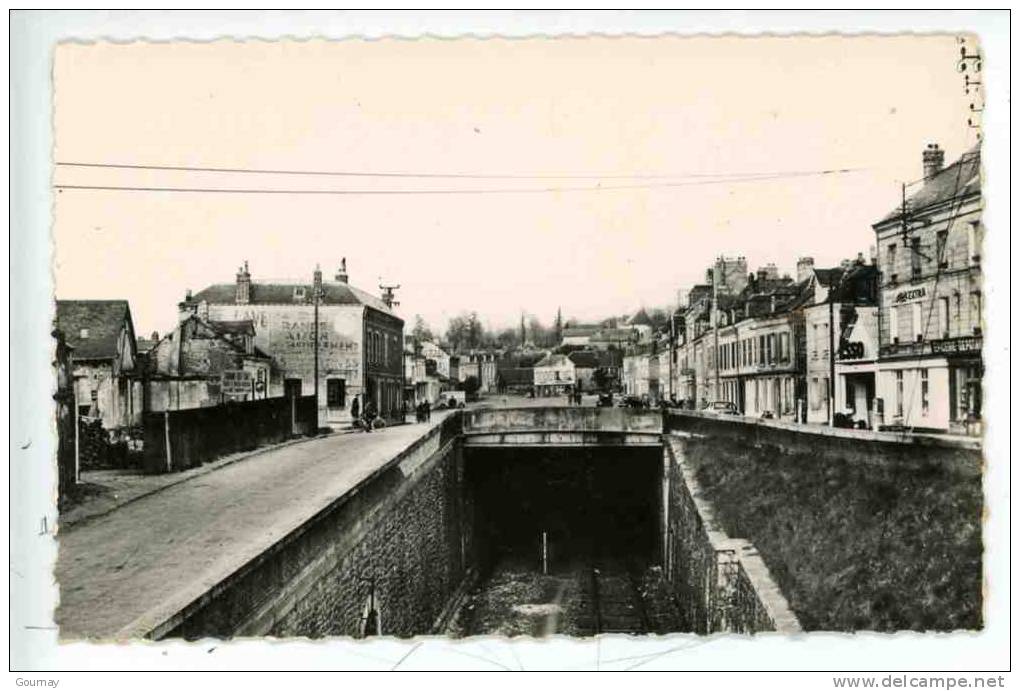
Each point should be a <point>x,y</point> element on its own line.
<point>122,573</point>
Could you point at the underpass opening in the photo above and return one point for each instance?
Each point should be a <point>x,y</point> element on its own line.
<point>566,539</point>
<point>556,508</point>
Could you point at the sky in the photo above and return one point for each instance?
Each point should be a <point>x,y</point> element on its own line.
<point>667,121</point>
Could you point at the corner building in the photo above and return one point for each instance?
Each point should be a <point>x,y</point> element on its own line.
<point>360,339</point>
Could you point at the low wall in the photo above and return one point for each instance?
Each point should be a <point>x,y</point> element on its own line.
<point>562,419</point>
<point>885,449</point>
<point>721,583</point>
<point>199,435</point>
<point>386,557</point>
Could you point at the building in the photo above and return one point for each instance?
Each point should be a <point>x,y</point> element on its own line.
<point>431,351</point>
<point>515,380</point>
<point>554,375</point>
<point>844,300</point>
<point>613,338</point>
<point>642,324</point>
<point>579,335</point>
<point>205,363</point>
<point>66,419</point>
<point>359,351</point>
<point>929,367</point>
<point>101,335</point>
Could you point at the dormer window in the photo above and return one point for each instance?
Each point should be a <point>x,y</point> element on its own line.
<point>84,333</point>
<point>299,293</point>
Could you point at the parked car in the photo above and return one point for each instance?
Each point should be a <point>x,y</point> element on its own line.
<point>721,408</point>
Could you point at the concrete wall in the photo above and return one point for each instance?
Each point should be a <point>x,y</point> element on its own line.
<point>399,543</point>
<point>721,583</point>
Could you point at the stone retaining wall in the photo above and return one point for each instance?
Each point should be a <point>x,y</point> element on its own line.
<point>722,583</point>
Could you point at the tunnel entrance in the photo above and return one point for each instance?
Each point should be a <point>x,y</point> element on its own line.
<point>566,540</point>
<point>557,506</point>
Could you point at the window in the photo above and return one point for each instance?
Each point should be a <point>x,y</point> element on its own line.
<point>336,393</point>
<point>84,333</point>
<point>849,395</point>
<point>890,262</point>
<point>973,249</point>
<point>975,308</point>
<point>899,393</point>
<point>944,317</point>
<point>915,321</point>
<point>924,392</point>
<point>768,348</point>
<point>299,293</point>
<point>915,257</point>
<point>894,324</point>
<point>814,340</point>
<point>784,348</point>
<point>940,248</point>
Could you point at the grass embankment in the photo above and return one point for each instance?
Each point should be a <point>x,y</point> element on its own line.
<point>853,547</point>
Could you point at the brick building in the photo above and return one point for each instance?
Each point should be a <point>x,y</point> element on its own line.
<point>360,338</point>
<point>930,322</point>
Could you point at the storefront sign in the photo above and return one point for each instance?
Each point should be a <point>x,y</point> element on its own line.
<point>952,346</point>
<point>850,350</point>
<point>236,383</point>
<point>909,295</point>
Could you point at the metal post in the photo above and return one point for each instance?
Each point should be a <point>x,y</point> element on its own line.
<point>545,553</point>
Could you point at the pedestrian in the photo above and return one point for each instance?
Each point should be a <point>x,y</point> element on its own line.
<point>370,414</point>
<point>428,412</point>
<point>355,411</point>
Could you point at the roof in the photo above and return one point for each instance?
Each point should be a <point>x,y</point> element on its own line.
<point>614,335</point>
<point>584,358</point>
<point>640,319</point>
<point>554,360</point>
<point>959,179</point>
<point>104,320</point>
<point>858,285</point>
<point>273,293</point>
<point>243,327</point>
<point>579,331</point>
<point>829,277</point>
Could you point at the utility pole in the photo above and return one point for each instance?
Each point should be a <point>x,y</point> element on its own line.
<point>715,324</point>
<point>316,296</point>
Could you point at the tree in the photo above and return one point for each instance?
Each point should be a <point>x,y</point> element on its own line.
<point>470,385</point>
<point>421,331</point>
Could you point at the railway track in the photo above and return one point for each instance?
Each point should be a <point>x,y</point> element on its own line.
<point>611,600</point>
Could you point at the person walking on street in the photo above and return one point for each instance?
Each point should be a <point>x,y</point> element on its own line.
<point>370,414</point>
<point>355,411</point>
<point>428,411</point>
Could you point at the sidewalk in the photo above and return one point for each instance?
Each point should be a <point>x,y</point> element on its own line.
<point>125,568</point>
<point>107,490</point>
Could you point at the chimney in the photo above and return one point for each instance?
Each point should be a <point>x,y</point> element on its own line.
<point>341,274</point>
<point>243,294</point>
<point>805,265</point>
<point>932,159</point>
